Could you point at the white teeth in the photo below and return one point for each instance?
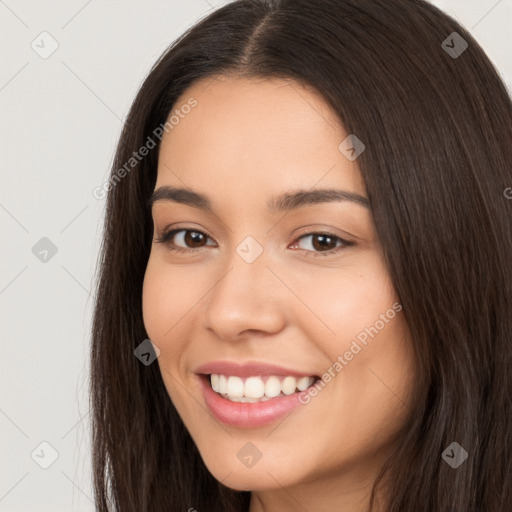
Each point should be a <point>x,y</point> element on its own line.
<point>288,385</point>
<point>215,382</point>
<point>272,387</point>
<point>249,400</point>
<point>235,387</point>
<point>257,389</point>
<point>302,384</point>
<point>254,388</point>
<point>223,385</point>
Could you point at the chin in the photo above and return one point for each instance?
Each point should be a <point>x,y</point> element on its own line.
<point>262,476</point>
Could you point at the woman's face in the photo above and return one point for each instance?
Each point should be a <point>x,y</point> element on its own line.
<point>301,285</point>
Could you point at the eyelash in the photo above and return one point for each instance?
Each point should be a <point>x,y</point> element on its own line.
<point>168,235</point>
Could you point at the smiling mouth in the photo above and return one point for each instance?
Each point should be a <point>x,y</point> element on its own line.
<point>258,388</point>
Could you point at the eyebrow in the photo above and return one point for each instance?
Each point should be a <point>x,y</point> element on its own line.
<point>284,202</point>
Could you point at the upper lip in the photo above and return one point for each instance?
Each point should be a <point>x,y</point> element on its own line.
<point>248,369</point>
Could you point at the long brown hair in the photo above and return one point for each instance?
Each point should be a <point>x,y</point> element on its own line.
<point>437,127</point>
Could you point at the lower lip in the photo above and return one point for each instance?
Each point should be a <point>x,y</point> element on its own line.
<point>247,415</point>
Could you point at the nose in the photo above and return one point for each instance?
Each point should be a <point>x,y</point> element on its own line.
<point>247,298</point>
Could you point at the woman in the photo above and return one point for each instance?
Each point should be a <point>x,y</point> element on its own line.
<point>308,217</point>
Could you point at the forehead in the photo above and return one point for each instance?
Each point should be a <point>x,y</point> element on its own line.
<point>252,136</point>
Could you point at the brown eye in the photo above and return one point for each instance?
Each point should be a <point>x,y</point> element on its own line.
<point>184,239</point>
<point>193,238</point>
<point>322,243</point>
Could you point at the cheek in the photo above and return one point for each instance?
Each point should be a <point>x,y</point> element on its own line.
<point>347,300</point>
<point>168,294</point>
<point>154,302</point>
<point>164,308</point>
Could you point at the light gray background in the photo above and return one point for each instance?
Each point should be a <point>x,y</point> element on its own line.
<point>60,120</point>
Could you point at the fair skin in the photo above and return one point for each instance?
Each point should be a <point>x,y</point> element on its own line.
<point>246,141</point>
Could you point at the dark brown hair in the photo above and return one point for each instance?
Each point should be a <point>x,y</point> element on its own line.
<point>438,134</point>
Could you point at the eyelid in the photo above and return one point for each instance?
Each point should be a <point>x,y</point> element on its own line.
<point>316,229</point>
